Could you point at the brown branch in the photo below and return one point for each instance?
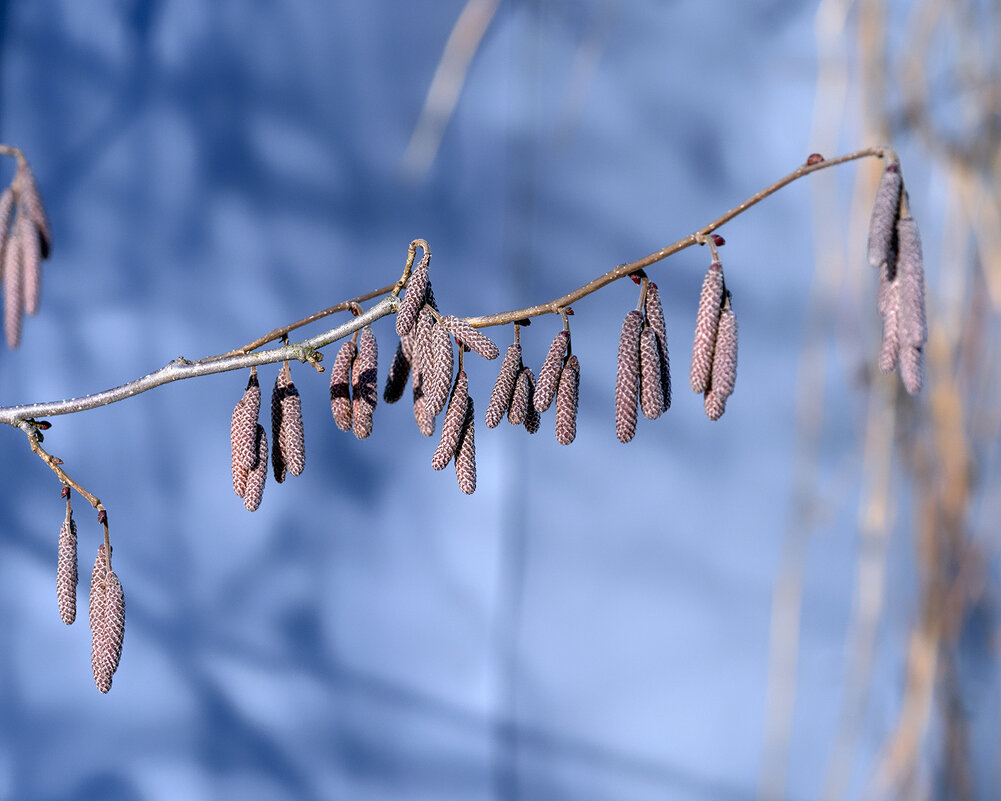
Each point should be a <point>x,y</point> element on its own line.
<point>696,238</point>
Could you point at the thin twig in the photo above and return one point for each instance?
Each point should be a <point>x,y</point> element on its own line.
<point>553,306</point>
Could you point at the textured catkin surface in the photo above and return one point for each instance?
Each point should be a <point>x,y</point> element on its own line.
<point>451,427</point>
<point>654,311</point>
<point>340,385</point>
<point>13,291</point>
<point>566,402</point>
<point>503,391</point>
<point>627,376</point>
<point>651,376</point>
<point>399,370</point>
<point>549,374</point>
<point>472,338</point>
<point>440,362</point>
<point>523,387</point>
<point>465,454</point>
<point>66,571</point>
<point>706,323</point>
<point>414,296</point>
<point>911,284</point>
<point>724,366</point>
<point>257,476</point>
<point>288,450</point>
<point>365,383</point>
<point>883,221</point>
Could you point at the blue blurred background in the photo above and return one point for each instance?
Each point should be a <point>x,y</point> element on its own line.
<point>594,622</point>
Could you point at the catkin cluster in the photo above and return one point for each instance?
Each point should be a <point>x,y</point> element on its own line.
<point>643,373</point>
<point>354,382</point>
<point>714,347</point>
<point>249,442</point>
<point>107,600</point>
<point>25,241</point>
<point>894,249</point>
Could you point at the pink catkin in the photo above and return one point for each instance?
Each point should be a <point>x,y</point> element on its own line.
<point>399,370</point>
<point>888,307</point>
<point>912,368</point>
<point>706,323</point>
<point>724,368</point>
<point>549,374</point>
<point>66,571</point>
<point>288,446</point>
<point>471,337</point>
<point>532,419</point>
<point>465,454</point>
<point>340,385</point>
<point>242,432</point>
<point>883,221</point>
<point>651,376</point>
<point>911,280</point>
<point>566,402</point>
<point>365,383</point>
<point>414,297</point>
<point>628,376</point>
<point>500,398</point>
<point>13,288</point>
<point>31,261</point>
<point>451,428</point>
<point>257,476</point>
<point>6,212</point>
<point>31,203</point>
<point>107,621</point>
<point>440,361</point>
<point>523,386</point>
<point>654,311</point>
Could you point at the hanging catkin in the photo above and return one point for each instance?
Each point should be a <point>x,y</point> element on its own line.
<point>365,383</point>
<point>523,387</point>
<point>31,262</point>
<point>257,476</point>
<point>288,447</point>
<point>465,454</point>
<point>66,570</point>
<point>340,385</point>
<point>651,375</point>
<point>566,402</point>
<point>13,289</point>
<point>503,391</point>
<point>724,368</point>
<point>706,323</point>
<point>628,376</point>
<point>451,428</point>
<point>883,221</point>
<point>242,434</point>
<point>472,338</point>
<point>654,311</point>
<point>549,373</point>
<point>438,366</point>
<point>414,297</point>
<point>399,370</point>
<point>107,622</point>
<point>30,202</point>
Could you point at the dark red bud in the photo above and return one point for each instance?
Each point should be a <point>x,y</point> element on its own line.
<point>102,517</point>
<point>65,492</point>
<point>718,240</point>
<point>56,460</point>
<point>526,321</point>
<point>636,278</point>
<point>43,425</point>
<point>569,312</point>
<point>814,158</point>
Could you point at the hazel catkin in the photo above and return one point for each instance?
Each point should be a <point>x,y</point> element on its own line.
<point>455,419</point>
<point>465,453</point>
<point>503,391</point>
<point>883,220</point>
<point>706,323</point>
<point>566,402</point>
<point>340,385</point>
<point>549,374</point>
<point>628,376</point>
<point>365,383</point>
<point>66,570</point>
<point>471,337</point>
